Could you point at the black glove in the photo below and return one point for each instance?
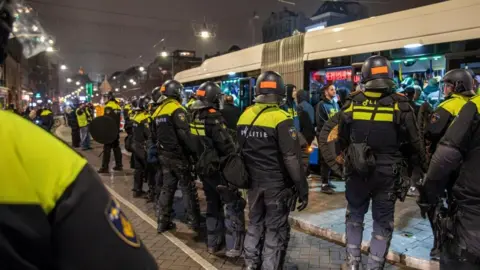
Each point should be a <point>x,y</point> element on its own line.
<point>424,209</point>
<point>303,200</point>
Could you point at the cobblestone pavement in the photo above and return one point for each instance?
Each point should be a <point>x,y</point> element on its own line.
<point>305,251</point>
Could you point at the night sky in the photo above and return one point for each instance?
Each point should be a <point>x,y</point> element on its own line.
<point>104,36</point>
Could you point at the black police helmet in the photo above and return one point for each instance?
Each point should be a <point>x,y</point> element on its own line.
<point>270,82</point>
<point>461,80</point>
<point>156,94</point>
<point>142,103</point>
<point>134,103</point>
<point>377,74</point>
<point>172,89</point>
<point>109,96</point>
<point>209,95</point>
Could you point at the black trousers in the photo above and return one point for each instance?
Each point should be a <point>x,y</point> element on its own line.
<point>449,260</point>
<point>225,219</point>
<point>76,137</point>
<point>117,153</point>
<point>378,188</point>
<point>268,230</point>
<point>176,173</point>
<point>144,172</point>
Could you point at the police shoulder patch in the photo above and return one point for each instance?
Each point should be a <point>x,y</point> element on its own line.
<point>293,133</point>
<point>182,116</point>
<point>434,118</point>
<point>120,224</point>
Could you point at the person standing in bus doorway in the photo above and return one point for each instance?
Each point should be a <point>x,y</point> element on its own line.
<point>290,107</point>
<point>326,109</point>
<point>231,114</point>
<point>277,181</point>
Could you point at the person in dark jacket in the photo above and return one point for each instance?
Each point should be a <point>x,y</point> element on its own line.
<point>325,109</point>
<point>230,113</point>
<point>306,116</point>
<point>290,107</point>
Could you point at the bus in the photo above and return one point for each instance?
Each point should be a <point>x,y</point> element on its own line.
<point>422,44</point>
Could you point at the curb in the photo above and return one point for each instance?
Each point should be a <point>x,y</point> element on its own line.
<point>339,238</point>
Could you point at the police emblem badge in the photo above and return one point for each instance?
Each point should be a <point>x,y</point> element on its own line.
<point>120,224</point>
<point>434,118</point>
<point>181,116</point>
<point>293,133</point>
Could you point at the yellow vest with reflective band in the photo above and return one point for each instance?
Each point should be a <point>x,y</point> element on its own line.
<point>83,118</point>
<point>292,112</point>
<point>167,108</point>
<point>476,101</point>
<point>270,118</point>
<point>127,107</point>
<point>454,104</point>
<point>141,117</point>
<point>113,105</point>
<point>34,172</point>
<point>369,107</point>
<point>190,102</point>
<point>45,112</point>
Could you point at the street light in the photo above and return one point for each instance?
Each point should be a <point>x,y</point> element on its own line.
<point>205,34</point>
<point>141,69</point>
<point>51,41</point>
<point>34,28</point>
<point>69,80</point>
<point>124,87</point>
<point>42,38</point>
<point>134,83</point>
<point>164,54</point>
<point>116,89</point>
<point>63,67</point>
<point>50,49</point>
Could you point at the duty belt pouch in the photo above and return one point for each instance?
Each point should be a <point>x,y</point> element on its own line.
<point>360,156</point>
<point>233,167</point>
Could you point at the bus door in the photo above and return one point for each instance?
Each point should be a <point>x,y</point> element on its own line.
<point>246,93</point>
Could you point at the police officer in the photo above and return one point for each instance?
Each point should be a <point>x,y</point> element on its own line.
<point>47,118</point>
<point>84,118</point>
<point>457,154</point>
<point>190,102</point>
<point>172,136</point>
<point>112,109</point>
<point>371,130</point>
<point>215,142</point>
<point>274,172</point>
<point>54,211</point>
<point>152,152</point>
<point>141,134</point>
<point>455,98</point>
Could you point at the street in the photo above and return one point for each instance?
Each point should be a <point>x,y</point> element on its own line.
<point>184,249</point>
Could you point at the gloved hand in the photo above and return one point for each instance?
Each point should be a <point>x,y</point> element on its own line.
<point>303,200</point>
<point>152,154</point>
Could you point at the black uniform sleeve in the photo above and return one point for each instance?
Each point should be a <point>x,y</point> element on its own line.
<point>321,116</point>
<point>182,127</point>
<point>83,236</point>
<point>306,126</point>
<point>345,118</point>
<point>437,126</point>
<point>222,141</point>
<point>410,122</point>
<point>450,152</point>
<point>290,149</point>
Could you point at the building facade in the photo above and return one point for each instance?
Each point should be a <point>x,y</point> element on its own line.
<point>283,24</point>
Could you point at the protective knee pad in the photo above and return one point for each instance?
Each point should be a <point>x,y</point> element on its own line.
<point>354,235</point>
<point>379,246</point>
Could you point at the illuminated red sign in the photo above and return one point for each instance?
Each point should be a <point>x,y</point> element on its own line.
<point>339,75</point>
